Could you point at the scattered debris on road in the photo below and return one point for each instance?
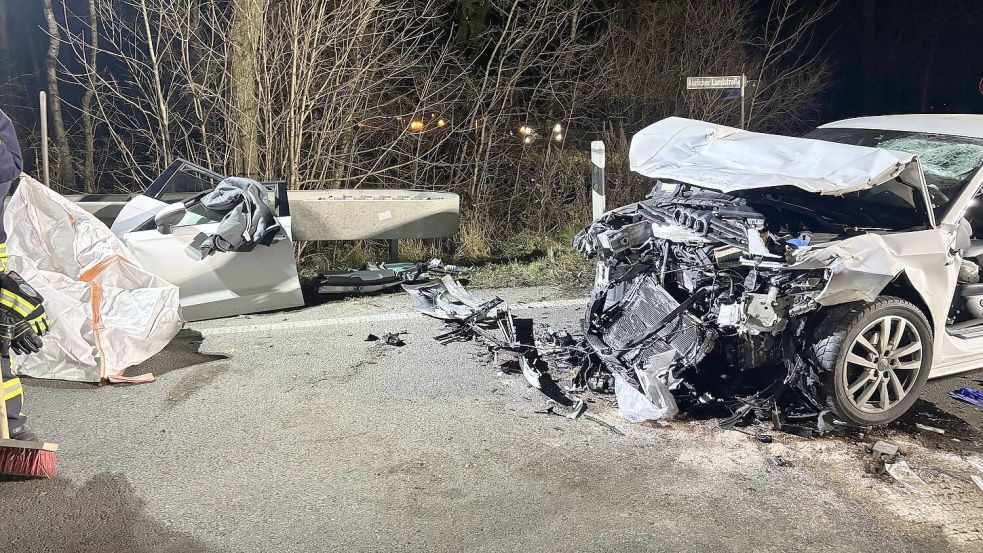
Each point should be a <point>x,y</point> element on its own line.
<point>968,395</point>
<point>901,472</point>
<point>780,461</point>
<point>389,338</point>
<point>881,454</point>
<point>928,428</point>
<point>384,276</point>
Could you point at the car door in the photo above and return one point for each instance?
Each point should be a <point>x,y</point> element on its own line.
<point>254,279</point>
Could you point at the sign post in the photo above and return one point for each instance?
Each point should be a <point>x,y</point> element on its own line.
<point>597,178</point>
<point>738,82</point>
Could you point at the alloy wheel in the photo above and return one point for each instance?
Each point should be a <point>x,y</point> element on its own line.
<point>882,364</point>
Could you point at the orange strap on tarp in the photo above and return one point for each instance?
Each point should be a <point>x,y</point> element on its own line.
<point>96,301</point>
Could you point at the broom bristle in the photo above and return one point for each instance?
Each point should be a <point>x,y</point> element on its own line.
<point>34,463</point>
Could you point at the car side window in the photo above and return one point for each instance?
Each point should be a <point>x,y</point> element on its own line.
<point>198,214</point>
<point>183,185</point>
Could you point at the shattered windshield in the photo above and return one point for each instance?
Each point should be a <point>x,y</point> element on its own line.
<point>949,162</point>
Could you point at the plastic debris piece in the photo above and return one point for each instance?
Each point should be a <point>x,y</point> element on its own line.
<point>928,428</point>
<point>393,339</point>
<point>780,461</point>
<point>389,338</point>
<point>969,395</point>
<point>900,471</point>
<point>635,406</point>
<point>572,412</point>
<point>884,448</point>
<point>881,454</point>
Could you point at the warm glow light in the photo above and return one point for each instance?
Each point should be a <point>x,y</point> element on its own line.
<point>527,140</point>
<point>416,125</point>
<point>557,128</point>
<point>558,137</point>
<point>525,130</point>
<point>441,123</point>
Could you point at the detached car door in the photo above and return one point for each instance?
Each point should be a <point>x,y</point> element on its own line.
<point>253,279</point>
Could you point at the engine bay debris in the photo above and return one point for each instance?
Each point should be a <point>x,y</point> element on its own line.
<point>709,294</point>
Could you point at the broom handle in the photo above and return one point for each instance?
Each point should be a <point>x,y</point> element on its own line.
<point>4,426</point>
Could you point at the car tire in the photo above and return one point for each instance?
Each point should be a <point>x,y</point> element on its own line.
<point>860,368</point>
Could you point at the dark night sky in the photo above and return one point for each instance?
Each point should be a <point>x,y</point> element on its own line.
<point>906,56</point>
<point>918,56</point>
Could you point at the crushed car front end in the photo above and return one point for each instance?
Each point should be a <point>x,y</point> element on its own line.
<point>713,283</point>
<point>691,273</point>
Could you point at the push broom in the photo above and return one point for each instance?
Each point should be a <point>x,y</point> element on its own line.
<point>20,457</point>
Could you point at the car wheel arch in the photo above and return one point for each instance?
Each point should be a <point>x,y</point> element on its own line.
<point>901,287</point>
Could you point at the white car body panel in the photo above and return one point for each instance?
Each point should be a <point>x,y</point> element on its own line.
<point>256,279</point>
<point>930,264</point>
<point>728,159</point>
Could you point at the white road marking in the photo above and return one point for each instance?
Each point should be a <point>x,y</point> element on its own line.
<point>384,317</point>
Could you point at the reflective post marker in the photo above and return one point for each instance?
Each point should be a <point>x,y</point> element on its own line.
<point>44,138</point>
<point>597,178</point>
<point>743,87</point>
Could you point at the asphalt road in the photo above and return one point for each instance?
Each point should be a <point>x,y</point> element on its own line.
<point>298,435</point>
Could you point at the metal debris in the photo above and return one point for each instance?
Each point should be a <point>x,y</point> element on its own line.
<point>387,275</point>
<point>389,338</point>
<point>928,428</point>
<point>780,461</point>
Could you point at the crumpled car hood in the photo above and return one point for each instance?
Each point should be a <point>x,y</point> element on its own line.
<point>728,159</point>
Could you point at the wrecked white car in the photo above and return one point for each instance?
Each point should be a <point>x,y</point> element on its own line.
<point>175,230</point>
<point>841,267</point>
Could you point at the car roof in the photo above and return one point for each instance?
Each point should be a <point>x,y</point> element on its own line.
<point>947,124</point>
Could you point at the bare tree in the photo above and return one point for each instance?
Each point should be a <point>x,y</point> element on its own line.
<point>65,165</point>
<point>88,121</point>
<point>429,94</point>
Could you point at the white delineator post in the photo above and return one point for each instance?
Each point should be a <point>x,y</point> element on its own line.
<point>44,138</point>
<point>597,178</point>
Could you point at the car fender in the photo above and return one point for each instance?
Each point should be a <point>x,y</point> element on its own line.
<point>861,267</point>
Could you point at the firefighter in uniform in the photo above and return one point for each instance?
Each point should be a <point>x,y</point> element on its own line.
<point>22,317</point>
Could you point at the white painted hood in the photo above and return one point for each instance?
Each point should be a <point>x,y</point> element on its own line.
<point>728,159</point>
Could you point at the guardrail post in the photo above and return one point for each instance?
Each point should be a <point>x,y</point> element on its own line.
<point>597,178</point>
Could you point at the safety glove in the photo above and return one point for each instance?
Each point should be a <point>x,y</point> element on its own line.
<point>17,335</point>
<point>23,303</point>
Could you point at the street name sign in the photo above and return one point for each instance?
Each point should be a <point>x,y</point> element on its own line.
<point>701,83</point>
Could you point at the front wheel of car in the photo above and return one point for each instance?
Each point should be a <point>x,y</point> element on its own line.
<point>875,358</point>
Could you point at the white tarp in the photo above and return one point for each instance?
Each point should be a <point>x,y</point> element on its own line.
<point>727,159</point>
<point>106,312</point>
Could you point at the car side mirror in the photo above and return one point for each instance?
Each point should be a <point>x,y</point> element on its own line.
<point>168,217</point>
